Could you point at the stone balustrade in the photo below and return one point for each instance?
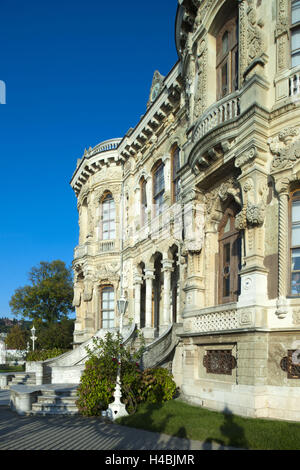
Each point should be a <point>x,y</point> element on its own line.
<point>294,83</point>
<point>107,245</point>
<point>107,145</point>
<point>223,111</point>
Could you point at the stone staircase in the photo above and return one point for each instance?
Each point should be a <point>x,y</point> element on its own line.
<point>26,378</point>
<point>53,401</point>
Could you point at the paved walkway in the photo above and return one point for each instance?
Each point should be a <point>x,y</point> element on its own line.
<point>81,433</point>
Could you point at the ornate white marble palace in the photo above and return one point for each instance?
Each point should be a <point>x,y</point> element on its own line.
<point>198,207</point>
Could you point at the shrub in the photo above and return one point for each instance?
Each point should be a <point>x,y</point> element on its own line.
<point>97,384</point>
<point>157,385</point>
<point>44,354</point>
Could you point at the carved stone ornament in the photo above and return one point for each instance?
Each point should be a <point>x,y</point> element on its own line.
<point>246,157</point>
<point>156,87</point>
<point>88,290</point>
<point>229,189</point>
<point>255,214</point>
<point>200,79</point>
<point>77,297</point>
<point>286,149</point>
<point>282,34</point>
<point>109,272</point>
<point>251,37</point>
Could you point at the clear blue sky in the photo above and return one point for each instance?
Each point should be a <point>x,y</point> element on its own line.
<point>77,73</point>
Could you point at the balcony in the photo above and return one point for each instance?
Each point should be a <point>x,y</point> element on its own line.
<point>92,249</point>
<point>287,85</point>
<point>294,83</point>
<point>106,246</point>
<point>224,110</point>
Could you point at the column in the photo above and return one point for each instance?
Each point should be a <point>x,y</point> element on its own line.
<point>282,187</point>
<point>137,207</point>
<point>167,269</point>
<point>138,281</point>
<point>149,276</point>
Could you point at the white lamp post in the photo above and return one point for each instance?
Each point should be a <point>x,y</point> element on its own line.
<point>117,409</point>
<point>33,337</point>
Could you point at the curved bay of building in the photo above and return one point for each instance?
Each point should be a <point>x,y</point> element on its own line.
<point>194,213</point>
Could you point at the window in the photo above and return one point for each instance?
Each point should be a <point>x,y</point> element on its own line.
<point>108,218</point>
<point>227,58</point>
<point>295,243</point>
<point>108,307</point>
<point>143,187</point>
<point>175,158</point>
<point>229,259</point>
<point>295,33</point>
<point>158,188</point>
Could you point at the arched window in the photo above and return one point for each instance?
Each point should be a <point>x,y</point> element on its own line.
<point>229,258</point>
<point>107,307</point>
<point>143,192</point>
<point>227,58</point>
<point>295,33</point>
<point>175,164</point>
<point>108,218</point>
<point>295,243</point>
<point>158,188</point>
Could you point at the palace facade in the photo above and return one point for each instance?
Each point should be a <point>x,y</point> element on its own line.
<point>194,215</point>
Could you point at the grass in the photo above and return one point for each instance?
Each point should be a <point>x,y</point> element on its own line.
<point>180,419</point>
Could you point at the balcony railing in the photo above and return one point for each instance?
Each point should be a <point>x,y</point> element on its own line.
<point>294,84</point>
<point>221,112</point>
<point>107,245</point>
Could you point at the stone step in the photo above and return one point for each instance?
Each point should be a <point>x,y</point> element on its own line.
<point>44,399</point>
<point>55,400</point>
<point>53,408</point>
<point>60,393</point>
<point>28,379</point>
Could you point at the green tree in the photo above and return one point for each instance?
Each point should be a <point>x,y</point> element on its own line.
<point>49,296</point>
<point>17,338</point>
<point>55,335</point>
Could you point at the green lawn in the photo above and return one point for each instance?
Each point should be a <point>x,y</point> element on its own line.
<point>177,418</point>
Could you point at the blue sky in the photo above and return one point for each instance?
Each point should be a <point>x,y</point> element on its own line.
<point>76,73</point>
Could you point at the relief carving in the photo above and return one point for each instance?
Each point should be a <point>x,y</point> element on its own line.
<point>251,37</point>
<point>281,35</point>
<point>286,149</point>
<point>201,79</point>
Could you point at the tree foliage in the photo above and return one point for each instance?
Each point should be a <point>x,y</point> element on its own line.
<point>17,338</point>
<point>55,335</point>
<point>49,295</point>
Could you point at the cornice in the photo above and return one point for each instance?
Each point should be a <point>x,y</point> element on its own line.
<point>144,134</point>
<point>93,160</point>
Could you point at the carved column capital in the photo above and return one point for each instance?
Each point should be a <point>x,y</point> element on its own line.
<point>282,187</point>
